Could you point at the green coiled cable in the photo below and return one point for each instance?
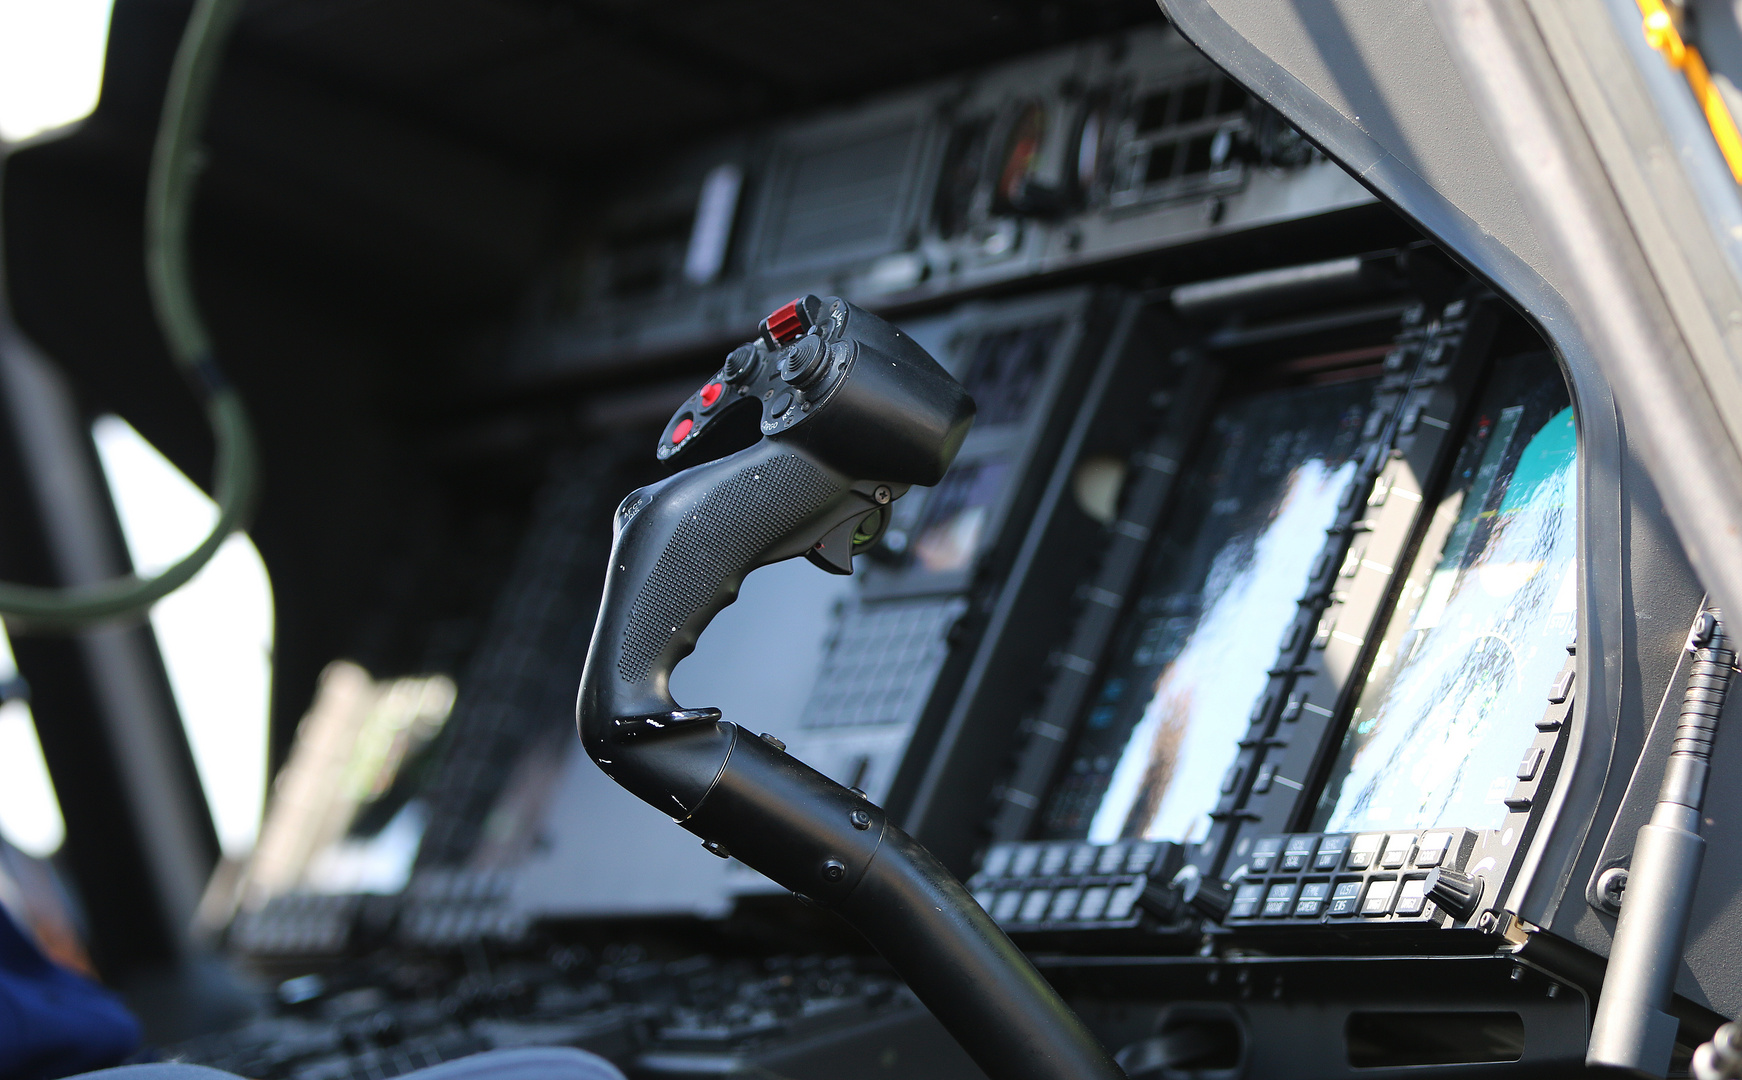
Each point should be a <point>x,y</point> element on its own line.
<point>175,165</point>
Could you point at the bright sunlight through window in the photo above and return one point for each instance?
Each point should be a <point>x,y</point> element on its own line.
<point>51,63</point>
<point>215,632</point>
<point>29,814</point>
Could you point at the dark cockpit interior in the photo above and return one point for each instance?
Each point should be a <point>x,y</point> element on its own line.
<point>1285,659</point>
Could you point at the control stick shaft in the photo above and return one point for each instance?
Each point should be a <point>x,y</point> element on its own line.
<point>853,414</point>
<point>1633,1030</point>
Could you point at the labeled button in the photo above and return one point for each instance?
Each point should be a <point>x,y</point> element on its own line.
<point>1064,905</point>
<point>1380,893</point>
<point>1331,850</point>
<point>1297,852</point>
<point>986,898</point>
<point>1364,849</point>
<point>1022,863</point>
<point>1053,859</point>
<point>1432,849</point>
<point>1004,908</point>
<point>1261,783</point>
<point>1112,857</point>
<point>1397,847</point>
<point>1246,899</point>
<point>1291,711</point>
<point>1345,898</point>
<point>1412,898</point>
<point>1083,858</point>
<point>1279,900</point>
<point>1312,899</point>
<point>1124,898</point>
<point>1562,688</point>
<point>782,402</point>
<point>997,860</point>
<point>1034,906</point>
<point>1094,902</point>
<point>1140,858</point>
<point>1230,779</point>
<point>1264,854</point>
<point>1531,763</point>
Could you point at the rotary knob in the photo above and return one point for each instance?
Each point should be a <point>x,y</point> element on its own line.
<point>801,364</point>
<point>1456,894</point>
<point>1209,897</point>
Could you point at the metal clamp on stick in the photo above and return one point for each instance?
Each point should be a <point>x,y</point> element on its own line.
<point>1633,1029</point>
<point>853,414</point>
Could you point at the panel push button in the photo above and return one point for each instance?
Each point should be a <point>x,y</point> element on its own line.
<point>1345,899</point>
<point>1296,854</point>
<point>1432,849</point>
<point>1412,897</point>
<point>1380,893</point>
<point>1331,850</point>
<point>1264,854</point>
<point>1364,850</point>
<point>1246,899</point>
<point>1531,763</point>
<point>1397,847</point>
<point>1312,899</point>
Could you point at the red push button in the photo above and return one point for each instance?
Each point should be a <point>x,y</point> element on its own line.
<point>786,324</point>
<point>681,430</point>
<point>710,394</point>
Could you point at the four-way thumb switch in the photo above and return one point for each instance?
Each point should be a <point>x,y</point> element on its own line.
<point>1456,893</point>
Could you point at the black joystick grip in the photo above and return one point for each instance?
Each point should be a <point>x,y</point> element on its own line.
<point>879,418</point>
<point>852,414</point>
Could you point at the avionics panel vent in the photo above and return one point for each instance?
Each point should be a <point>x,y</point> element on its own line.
<point>843,199</point>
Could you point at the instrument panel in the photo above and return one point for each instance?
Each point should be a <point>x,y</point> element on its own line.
<point>1059,162</point>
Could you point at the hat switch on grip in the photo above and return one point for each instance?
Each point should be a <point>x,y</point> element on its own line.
<point>853,414</point>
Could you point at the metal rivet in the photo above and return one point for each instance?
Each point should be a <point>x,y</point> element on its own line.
<point>772,741</point>
<point>860,819</point>
<point>834,870</point>
<point>714,847</point>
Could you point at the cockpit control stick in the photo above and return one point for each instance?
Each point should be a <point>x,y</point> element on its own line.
<point>1633,1030</point>
<point>853,414</point>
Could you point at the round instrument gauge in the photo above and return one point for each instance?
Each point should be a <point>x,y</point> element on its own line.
<point>1021,158</point>
<point>959,183</point>
<point>1093,147</point>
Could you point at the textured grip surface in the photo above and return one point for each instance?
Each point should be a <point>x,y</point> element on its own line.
<point>730,528</point>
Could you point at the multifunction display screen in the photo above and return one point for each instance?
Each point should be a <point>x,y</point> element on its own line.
<point>1480,629</point>
<point>957,514</point>
<point>1005,370</point>
<point>1223,579</point>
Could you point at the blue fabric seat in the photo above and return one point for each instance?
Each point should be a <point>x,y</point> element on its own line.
<point>53,1022</point>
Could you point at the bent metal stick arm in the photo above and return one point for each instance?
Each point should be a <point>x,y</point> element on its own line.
<point>853,413</point>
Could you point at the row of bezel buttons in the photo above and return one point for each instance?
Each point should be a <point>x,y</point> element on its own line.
<point>1375,897</point>
<point>1343,851</point>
